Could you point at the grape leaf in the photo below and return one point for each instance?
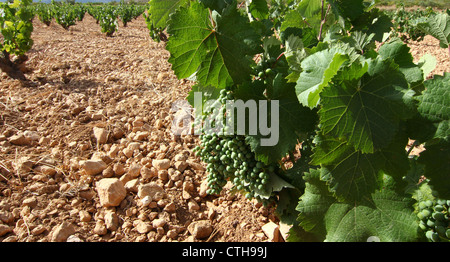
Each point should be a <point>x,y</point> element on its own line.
<point>353,174</point>
<point>350,9</point>
<point>435,159</point>
<point>318,70</point>
<point>367,110</point>
<point>419,190</point>
<point>314,203</point>
<point>396,163</point>
<point>295,53</point>
<point>293,119</point>
<point>438,26</point>
<point>217,5</point>
<point>207,93</point>
<point>219,54</point>
<point>287,201</point>
<point>385,214</point>
<point>381,26</point>
<point>427,63</point>
<point>434,104</point>
<point>399,52</point>
<point>328,150</point>
<point>258,8</point>
<point>309,8</point>
<point>160,10</point>
<point>361,41</point>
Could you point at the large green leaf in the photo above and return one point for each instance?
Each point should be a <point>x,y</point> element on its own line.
<point>436,159</point>
<point>427,63</point>
<point>160,10</point>
<point>385,214</point>
<point>353,175</point>
<point>367,110</point>
<point>318,70</point>
<point>314,203</point>
<point>309,8</point>
<point>438,26</point>
<point>399,52</point>
<point>293,119</point>
<point>219,53</point>
<point>349,9</point>
<point>434,104</point>
<point>387,217</point>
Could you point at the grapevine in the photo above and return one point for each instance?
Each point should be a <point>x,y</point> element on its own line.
<point>16,27</point>
<point>44,13</point>
<point>351,107</point>
<point>108,19</point>
<point>65,15</point>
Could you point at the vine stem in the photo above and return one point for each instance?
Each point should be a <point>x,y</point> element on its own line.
<point>324,20</point>
<point>278,58</point>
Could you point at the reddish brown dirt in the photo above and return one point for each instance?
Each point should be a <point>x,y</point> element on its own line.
<point>80,79</point>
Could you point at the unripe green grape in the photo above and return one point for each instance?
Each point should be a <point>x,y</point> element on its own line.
<point>441,202</point>
<point>426,212</point>
<point>440,230</point>
<point>422,205</point>
<point>420,215</point>
<point>433,236</point>
<point>249,195</point>
<point>438,216</point>
<point>423,226</point>
<point>438,208</point>
<point>261,74</point>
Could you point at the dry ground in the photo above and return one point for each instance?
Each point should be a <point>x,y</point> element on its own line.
<point>81,79</point>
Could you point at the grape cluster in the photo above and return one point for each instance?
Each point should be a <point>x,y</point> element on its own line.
<point>434,219</point>
<point>229,158</point>
<point>267,67</point>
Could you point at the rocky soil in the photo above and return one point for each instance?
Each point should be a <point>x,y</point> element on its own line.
<point>87,152</point>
